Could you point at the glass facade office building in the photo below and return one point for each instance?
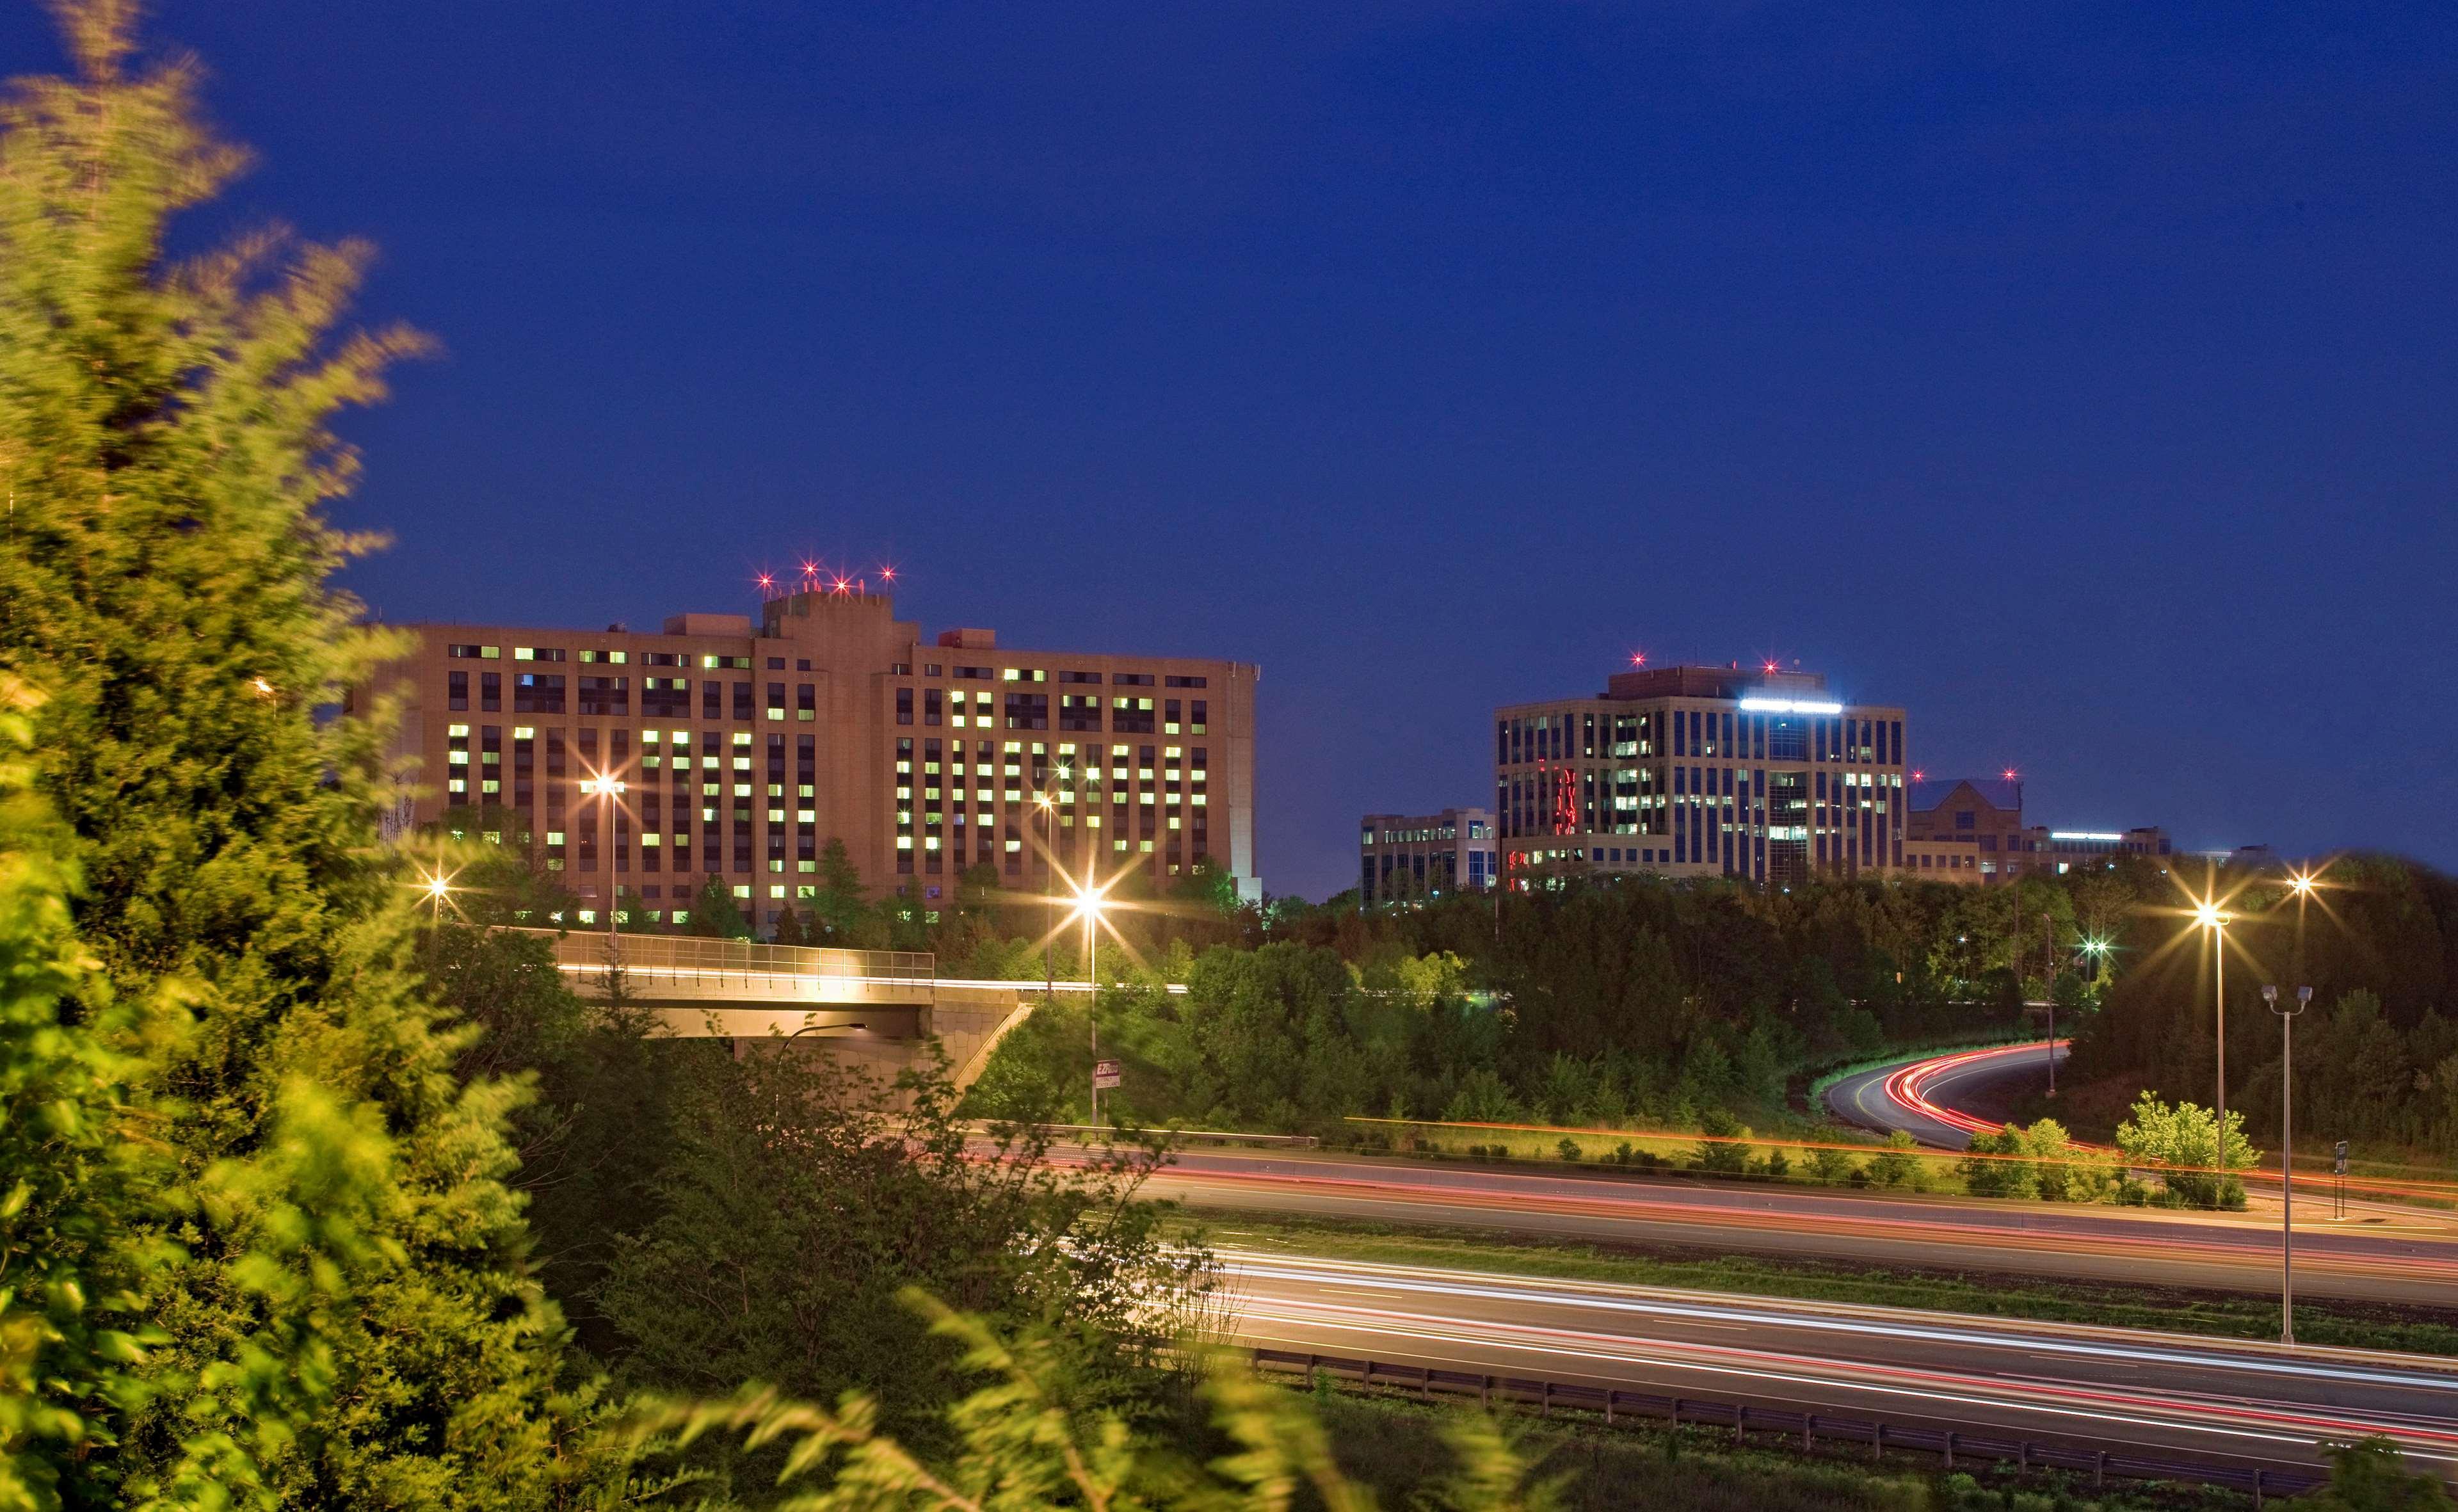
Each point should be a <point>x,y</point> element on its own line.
<point>1700,772</point>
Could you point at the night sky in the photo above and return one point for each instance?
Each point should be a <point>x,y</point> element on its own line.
<point>2081,377</point>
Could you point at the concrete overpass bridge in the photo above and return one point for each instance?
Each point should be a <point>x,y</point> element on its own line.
<point>874,1007</point>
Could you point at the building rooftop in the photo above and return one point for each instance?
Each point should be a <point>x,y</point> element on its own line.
<point>1734,681</point>
<point>2001,793</point>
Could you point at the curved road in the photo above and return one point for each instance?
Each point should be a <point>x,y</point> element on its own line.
<point>2122,1390</point>
<point>1923,1097</point>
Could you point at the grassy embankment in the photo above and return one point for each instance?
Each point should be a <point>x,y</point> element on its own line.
<point>2176,1309</point>
<point>1396,1448</point>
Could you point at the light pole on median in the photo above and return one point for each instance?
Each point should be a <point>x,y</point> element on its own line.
<point>2287,1012</point>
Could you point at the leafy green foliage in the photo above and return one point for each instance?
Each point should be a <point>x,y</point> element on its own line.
<point>2182,1143</point>
<point>2368,1476</point>
<point>714,915</point>
<point>165,444</point>
<point>2040,1162</point>
<point>1029,1438</point>
<point>781,1158</point>
<point>78,1159</point>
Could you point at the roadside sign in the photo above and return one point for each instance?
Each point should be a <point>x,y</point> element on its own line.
<point>1105,1074</point>
<point>2341,1168</point>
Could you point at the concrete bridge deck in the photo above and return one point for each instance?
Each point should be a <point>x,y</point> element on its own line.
<point>875,1007</point>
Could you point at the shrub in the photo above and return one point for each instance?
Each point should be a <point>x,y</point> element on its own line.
<point>1894,1166</point>
<point>1569,1149</point>
<point>1720,1152</point>
<point>1834,1166</point>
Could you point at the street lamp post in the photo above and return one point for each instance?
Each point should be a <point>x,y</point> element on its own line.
<point>2211,917</point>
<point>1088,902</point>
<point>1049,880</point>
<point>2287,1012</point>
<point>610,790</point>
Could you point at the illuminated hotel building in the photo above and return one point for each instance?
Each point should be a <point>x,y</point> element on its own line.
<point>744,749</point>
<point>1425,855</point>
<point>1701,772</point>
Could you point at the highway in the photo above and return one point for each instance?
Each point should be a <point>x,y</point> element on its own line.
<point>2126,1391</point>
<point>2410,1259</point>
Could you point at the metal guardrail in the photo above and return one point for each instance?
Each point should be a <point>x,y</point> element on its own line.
<point>1200,1136</point>
<point>1787,1426</point>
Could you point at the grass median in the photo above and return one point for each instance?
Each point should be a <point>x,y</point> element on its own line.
<point>2351,1325</point>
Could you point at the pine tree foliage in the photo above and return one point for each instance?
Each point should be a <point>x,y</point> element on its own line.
<point>1030,1437</point>
<point>76,1157</point>
<point>166,458</point>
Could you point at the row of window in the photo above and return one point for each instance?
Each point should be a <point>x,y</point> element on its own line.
<point>460,652</point>
<point>955,708</point>
<point>1744,736</point>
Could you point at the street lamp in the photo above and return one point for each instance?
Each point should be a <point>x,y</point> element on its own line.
<point>1090,902</point>
<point>435,887</point>
<point>610,789</point>
<point>2213,918</point>
<point>1049,877</point>
<point>2286,1013</point>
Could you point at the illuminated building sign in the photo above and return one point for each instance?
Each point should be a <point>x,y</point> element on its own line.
<point>1759,705</point>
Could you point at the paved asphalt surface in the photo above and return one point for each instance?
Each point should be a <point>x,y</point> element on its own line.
<point>2132,1393</point>
<point>2413,1258</point>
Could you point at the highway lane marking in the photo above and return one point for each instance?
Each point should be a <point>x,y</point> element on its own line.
<point>1873,1325</point>
<point>2245,1253</point>
<point>2296,1428</point>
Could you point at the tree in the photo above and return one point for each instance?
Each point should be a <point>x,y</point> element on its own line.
<point>165,445</point>
<point>838,905</point>
<point>801,1196</point>
<point>2182,1143</point>
<point>78,1150</point>
<point>1030,1438</point>
<point>713,913</point>
<point>2368,1476</point>
<point>789,928</point>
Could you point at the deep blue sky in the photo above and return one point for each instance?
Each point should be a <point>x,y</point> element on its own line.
<point>2081,377</point>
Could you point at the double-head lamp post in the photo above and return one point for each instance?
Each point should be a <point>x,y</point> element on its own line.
<point>2286,1011</point>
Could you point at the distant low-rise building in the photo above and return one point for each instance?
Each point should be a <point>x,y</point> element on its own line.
<point>1412,856</point>
<point>1987,814</point>
<point>1936,861</point>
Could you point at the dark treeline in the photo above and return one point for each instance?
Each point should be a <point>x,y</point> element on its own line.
<point>1589,1000</point>
<point>1604,1001</point>
<point>2377,1053</point>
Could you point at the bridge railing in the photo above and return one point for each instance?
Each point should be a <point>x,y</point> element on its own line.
<point>745,968</point>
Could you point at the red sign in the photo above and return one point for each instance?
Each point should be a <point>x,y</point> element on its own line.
<point>1105,1074</point>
